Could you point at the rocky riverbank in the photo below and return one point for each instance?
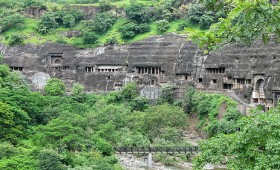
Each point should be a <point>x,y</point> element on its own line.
<point>131,162</point>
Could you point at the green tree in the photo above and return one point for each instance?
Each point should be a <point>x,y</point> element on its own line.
<point>162,25</point>
<point>48,21</point>
<point>16,38</point>
<point>54,87</point>
<point>103,21</point>
<point>188,99</point>
<point>34,3</point>
<point>69,20</point>
<point>130,29</point>
<point>89,37</point>
<point>105,5</point>
<point>62,133</point>
<point>166,93</point>
<point>198,13</point>
<point>154,119</point>
<point>104,147</point>
<point>130,91</point>
<point>13,123</point>
<point>11,21</point>
<point>255,146</point>
<point>50,160</point>
<point>245,22</point>
<point>77,89</point>
<point>139,13</point>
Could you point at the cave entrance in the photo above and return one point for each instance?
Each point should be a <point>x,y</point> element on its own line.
<point>258,93</point>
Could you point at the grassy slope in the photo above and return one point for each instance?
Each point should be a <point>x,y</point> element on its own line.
<point>56,35</point>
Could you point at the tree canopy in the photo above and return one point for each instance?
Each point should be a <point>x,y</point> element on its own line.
<point>245,21</point>
<point>255,146</point>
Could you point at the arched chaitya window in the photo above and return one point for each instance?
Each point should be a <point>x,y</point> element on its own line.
<point>57,61</point>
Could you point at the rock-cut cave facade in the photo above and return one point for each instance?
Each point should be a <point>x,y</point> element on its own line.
<point>250,75</point>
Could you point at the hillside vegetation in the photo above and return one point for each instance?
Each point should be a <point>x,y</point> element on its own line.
<point>109,22</point>
<point>52,131</point>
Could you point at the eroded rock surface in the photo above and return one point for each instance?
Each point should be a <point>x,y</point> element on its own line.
<point>247,74</point>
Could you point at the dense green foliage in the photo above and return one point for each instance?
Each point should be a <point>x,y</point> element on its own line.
<point>117,21</point>
<point>207,108</point>
<point>162,25</point>
<point>244,22</point>
<point>101,23</point>
<point>77,131</point>
<point>54,87</point>
<point>254,146</point>
<point>53,19</point>
<point>10,21</point>
<point>241,142</point>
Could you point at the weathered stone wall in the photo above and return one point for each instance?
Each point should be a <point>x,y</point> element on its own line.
<point>251,72</point>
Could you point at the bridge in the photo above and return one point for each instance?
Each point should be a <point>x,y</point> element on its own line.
<point>156,149</point>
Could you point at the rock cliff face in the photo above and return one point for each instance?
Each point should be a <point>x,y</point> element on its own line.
<point>248,73</point>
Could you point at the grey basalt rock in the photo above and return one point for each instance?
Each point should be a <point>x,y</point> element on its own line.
<point>252,73</point>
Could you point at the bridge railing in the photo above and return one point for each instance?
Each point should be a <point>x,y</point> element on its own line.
<point>156,149</point>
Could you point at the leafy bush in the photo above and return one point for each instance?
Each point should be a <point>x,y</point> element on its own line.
<point>48,21</point>
<point>50,160</point>
<point>254,146</point>
<point>69,20</point>
<point>166,93</point>
<point>102,22</point>
<point>130,91</point>
<point>104,147</point>
<point>13,123</point>
<point>8,150</point>
<point>132,138</point>
<point>162,25</point>
<point>77,89</point>
<point>89,37</point>
<point>11,21</point>
<point>130,29</point>
<point>168,10</point>
<point>144,27</point>
<point>54,87</point>
<point>139,13</point>
<point>105,5</point>
<point>111,40</point>
<point>34,3</point>
<point>182,26</point>
<point>16,38</point>
<point>53,19</point>
<point>198,13</point>
<point>154,119</point>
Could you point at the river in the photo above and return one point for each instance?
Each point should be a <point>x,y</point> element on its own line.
<point>130,162</point>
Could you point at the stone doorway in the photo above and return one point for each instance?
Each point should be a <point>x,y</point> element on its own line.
<point>258,96</point>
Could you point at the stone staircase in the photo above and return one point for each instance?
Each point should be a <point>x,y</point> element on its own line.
<point>242,106</point>
<point>231,94</point>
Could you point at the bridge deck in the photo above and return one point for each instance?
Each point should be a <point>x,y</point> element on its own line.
<point>157,149</point>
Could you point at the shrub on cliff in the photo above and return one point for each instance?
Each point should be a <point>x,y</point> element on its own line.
<point>131,29</point>
<point>105,5</point>
<point>16,38</point>
<point>11,21</point>
<point>139,13</point>
<point>89,37</point>
<point>54,87</point>
<point>162,25</point>
<point>54,19</point>
<point>102,22</point>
